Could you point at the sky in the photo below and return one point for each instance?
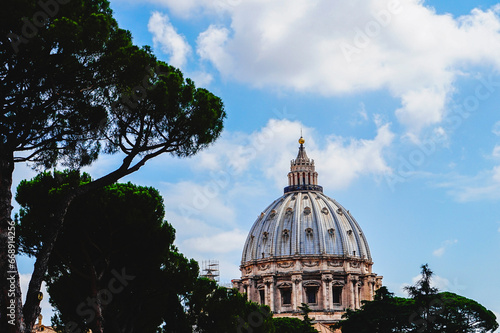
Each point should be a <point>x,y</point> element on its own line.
<point>397,101</point>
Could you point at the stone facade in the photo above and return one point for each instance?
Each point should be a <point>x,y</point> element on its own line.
<point>327,284</point>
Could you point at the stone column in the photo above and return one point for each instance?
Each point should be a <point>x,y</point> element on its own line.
<point>372,289</point>
<point>247,286</point>
<point>327,298</point>
<point>358,294</point>
<point>352,291</point>
<point>269,282</point>
<point>296,292</point>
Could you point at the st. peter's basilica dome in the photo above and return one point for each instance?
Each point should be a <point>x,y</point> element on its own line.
<point>307,248</point>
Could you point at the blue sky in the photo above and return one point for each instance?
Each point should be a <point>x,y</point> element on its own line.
<point>398,103</point>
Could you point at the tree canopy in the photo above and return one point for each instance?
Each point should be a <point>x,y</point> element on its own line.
<point>292,325</point>
<point>114,267</point>
<point>73,85</point>
<point>214,309</point>
<point>426,310</point>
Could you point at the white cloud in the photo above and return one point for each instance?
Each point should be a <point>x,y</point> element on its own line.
<point>446,244</point>
<point>330,48</point>
<point>343,160</point>
<point>421,108</point>
<point>199,201</point>
<point>496,128</point>
<point>210,46</point>
<point>361,115</point>
<point>339,162</point>
<point>483,186</point>
<point>201,79</point>
<point>496,152</point>
<point>223,242</point>
<point>439,282</point>
<point>166,37</point>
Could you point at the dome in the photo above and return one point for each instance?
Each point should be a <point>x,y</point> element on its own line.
<point>305,223</point>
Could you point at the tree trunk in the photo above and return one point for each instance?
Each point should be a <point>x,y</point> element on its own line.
<point>97,323</point>
<point>31,309</point>
<point>11,316</point>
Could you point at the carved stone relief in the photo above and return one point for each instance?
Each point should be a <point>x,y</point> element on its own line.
<point>286,264</point>
<point>264,267</point>
<point>354,264</point>
<point>335,263</point>
<point>311,263</point>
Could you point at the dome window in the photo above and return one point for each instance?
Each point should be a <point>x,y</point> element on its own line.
<point>307,210</point>
<point>264,235</point>
<point>293,198</point>
<point>325,210</point>
<point>289,211</point>
<point>331,231</point>
<point>286,233</point>
<point>309,232</point>
<point>273,213</point>
<point>349,232</point>
<point>305,197</point>
<point>339,211</point>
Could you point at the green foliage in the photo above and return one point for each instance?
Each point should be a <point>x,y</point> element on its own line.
<point>115,231</point>
<point>307,326</point>
<point>292,325</point>
<point>427,310</point>
<point>214,309</point>
<point>386,313</point>
<point>76,79</point>
<point>460,314</point>
<point>53,78</point>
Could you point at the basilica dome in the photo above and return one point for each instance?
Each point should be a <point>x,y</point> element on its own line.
<point>307,248</point>
<point>304,221</point>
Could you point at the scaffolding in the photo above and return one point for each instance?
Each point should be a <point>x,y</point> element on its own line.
<point>210,269</point>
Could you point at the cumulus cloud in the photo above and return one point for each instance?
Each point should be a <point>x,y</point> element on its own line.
<point>168,40</point>
<point>223,242</point>
<point>339,162</point>
<point>345,160</point>
<point>332,48</point>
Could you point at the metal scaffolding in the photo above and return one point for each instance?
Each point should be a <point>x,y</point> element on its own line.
<point>210,269</point>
